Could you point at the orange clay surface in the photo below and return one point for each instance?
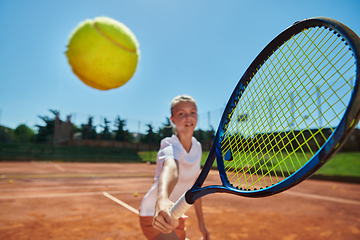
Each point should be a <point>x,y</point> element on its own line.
<point>48,200</point>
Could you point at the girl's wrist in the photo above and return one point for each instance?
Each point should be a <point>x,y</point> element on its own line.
<point>162,197</point>
<point>201,224</point>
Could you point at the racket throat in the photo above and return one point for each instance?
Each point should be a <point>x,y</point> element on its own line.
<point>189,197</point>
<point>193,194</point>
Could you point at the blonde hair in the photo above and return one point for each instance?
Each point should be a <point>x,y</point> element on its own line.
<point>181,98</point>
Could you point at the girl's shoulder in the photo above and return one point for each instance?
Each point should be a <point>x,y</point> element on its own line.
<point>173,140</point>
<point>195,141</point>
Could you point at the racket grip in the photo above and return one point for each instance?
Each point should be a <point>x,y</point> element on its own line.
<point>179,208</point>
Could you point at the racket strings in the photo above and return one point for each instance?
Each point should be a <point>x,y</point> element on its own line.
<point>270,124</point>
<point>273,136</point>
<point>289,109</point>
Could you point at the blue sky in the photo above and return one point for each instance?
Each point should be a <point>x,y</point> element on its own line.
<point>198,47</point>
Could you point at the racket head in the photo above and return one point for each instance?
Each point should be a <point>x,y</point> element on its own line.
<point>238,150</point>
<point>291,111</point>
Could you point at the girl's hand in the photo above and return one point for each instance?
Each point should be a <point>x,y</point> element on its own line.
<point>205,232</point>
<point>162,219</point>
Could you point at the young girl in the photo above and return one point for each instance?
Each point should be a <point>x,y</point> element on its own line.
<point>177,167</point>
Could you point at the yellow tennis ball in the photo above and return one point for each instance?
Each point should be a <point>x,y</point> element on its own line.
<point>135,194</point>
<point>103,53</point>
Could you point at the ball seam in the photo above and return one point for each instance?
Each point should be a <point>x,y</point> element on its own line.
<point>112,40</point>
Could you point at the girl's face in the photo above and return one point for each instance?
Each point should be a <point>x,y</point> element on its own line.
<point>184,117</point>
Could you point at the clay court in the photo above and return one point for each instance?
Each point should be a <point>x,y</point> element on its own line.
<point>63,201</point>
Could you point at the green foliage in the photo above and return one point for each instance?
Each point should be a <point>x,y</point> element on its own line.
<point>151,137</point>
<point>6,134</point>
<point>165,130</point>
<point>13,151</point>
<point>88,130</point>
<point>105,134</point>
<point>23,134</point>
<point>121,134</point>
<point>205,135</point>
<point>129,137</point>
<point>155,137</point>
<point>46,133</point>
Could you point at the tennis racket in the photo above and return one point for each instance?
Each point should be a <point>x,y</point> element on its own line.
<point>290,112</point>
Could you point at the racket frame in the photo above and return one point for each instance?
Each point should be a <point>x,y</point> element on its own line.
<point>329,148</point>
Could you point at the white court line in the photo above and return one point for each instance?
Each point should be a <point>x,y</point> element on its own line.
<point>49,195</point>
<point>59,167</point>
<point>121,203</point>
<point>340,200</point>
<point>124,205</point>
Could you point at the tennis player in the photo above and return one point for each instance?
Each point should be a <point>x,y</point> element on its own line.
<point>177,167</point>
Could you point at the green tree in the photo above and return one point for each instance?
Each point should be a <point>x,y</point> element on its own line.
<point>121,134</point>
<point>6,134</point>
<point>211,134</point>
<point>151,137</point>
<point>205,135</point>
<point>129,137</point>
<point>46,133</point>
<point>105,134</point>
<point>23,134</point>
<point>88,130</point>
<point>165,130</point>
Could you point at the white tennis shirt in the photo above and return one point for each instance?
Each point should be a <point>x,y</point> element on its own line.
<point>189,168</point>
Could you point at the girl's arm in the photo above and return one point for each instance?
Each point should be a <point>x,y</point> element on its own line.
<point>200,216</point>
<point>167,181</point>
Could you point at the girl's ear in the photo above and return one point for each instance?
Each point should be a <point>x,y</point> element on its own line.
<point>173,127</point>
<point>171,119</point>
